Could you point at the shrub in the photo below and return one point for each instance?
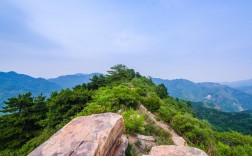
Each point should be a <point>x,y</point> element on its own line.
<point>115,98</point>
<point>129,151</point>
<point>197,132</point>
<point>223,149</point>
<point>152,103</point>
<point>166,113</point>
<point>133,122</point>
<point>138,143</point>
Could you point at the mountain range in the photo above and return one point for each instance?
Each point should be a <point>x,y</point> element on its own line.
<point>214,95</point>
<point>69,81</point>
<point>244,85</point>
<point>12,84</point>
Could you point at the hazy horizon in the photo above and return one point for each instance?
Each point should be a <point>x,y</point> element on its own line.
<point>202,41</point>
<point>221,82</point>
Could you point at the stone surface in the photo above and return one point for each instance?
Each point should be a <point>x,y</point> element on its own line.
<point>146,138</point>
<point>146,141</point>
<point>120,150</point>
<point>179,141</point>
<point>95,135</point>
<point>173,150</point>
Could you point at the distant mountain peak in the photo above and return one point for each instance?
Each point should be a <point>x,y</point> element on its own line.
<point>219,95</point>
<point>79,74</point>
<point>12,72</point>
<point>69,81</point>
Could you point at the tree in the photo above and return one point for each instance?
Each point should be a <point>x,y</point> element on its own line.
<point>161,91</point>
<point>21,121</point>
<point>39,108</point>
<point>97,82</point>
<point>137,75</point>
<point>63,105</point>
<point>121,73</point>
<point>132,73</point>
<point>18,104</point>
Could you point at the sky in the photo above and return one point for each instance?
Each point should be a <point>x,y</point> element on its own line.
<point>191,39</point>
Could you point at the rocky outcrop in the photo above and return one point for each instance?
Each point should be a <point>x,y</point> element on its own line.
<point>146,141</point>
<point>178,140</point>
<point>95,135</point>
<point>121,149</point>
<point>173,150</point>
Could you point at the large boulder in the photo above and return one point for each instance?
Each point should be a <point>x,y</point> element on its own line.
<point>95,135</point>
<point>173,150</point>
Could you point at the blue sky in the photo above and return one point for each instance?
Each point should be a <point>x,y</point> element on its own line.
<point>192,39</point>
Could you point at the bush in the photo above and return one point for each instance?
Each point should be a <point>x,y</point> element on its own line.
<point>166,113</point>
<point>223,149</point>
<point>241,150</point>
<point>152,103</point>
<point>93,108</point>
<point>138,143</point>
<point>197,132</point>
<point>133,122</point>
<point>129,151</point>
<point>115,98</point>
<point>161,91</point>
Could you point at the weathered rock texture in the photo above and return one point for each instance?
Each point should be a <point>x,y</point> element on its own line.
<point>146,141</point>
<point>95,135</point>
<point>173,150</point>
<point>122,147</point>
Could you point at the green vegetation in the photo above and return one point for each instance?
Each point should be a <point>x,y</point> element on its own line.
<point>199,133</point>
<point>29,121</point>
<point>129,151</point>
<point>133,122</point>
<point>162,137</point>
<point>223,122</point>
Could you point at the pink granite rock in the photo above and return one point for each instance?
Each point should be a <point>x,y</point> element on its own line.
<point>146,141</point>
<point>173,150</point>
<point>122,146</point>
<point>95,135</point>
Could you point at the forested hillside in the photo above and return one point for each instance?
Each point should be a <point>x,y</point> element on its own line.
<point>223,121</point>
<point>32,120</point>
<point>244,85</point>
<point>222,97</point>
<point>246,89</point>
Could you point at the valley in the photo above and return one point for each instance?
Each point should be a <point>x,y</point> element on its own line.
<point>213,95</point>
